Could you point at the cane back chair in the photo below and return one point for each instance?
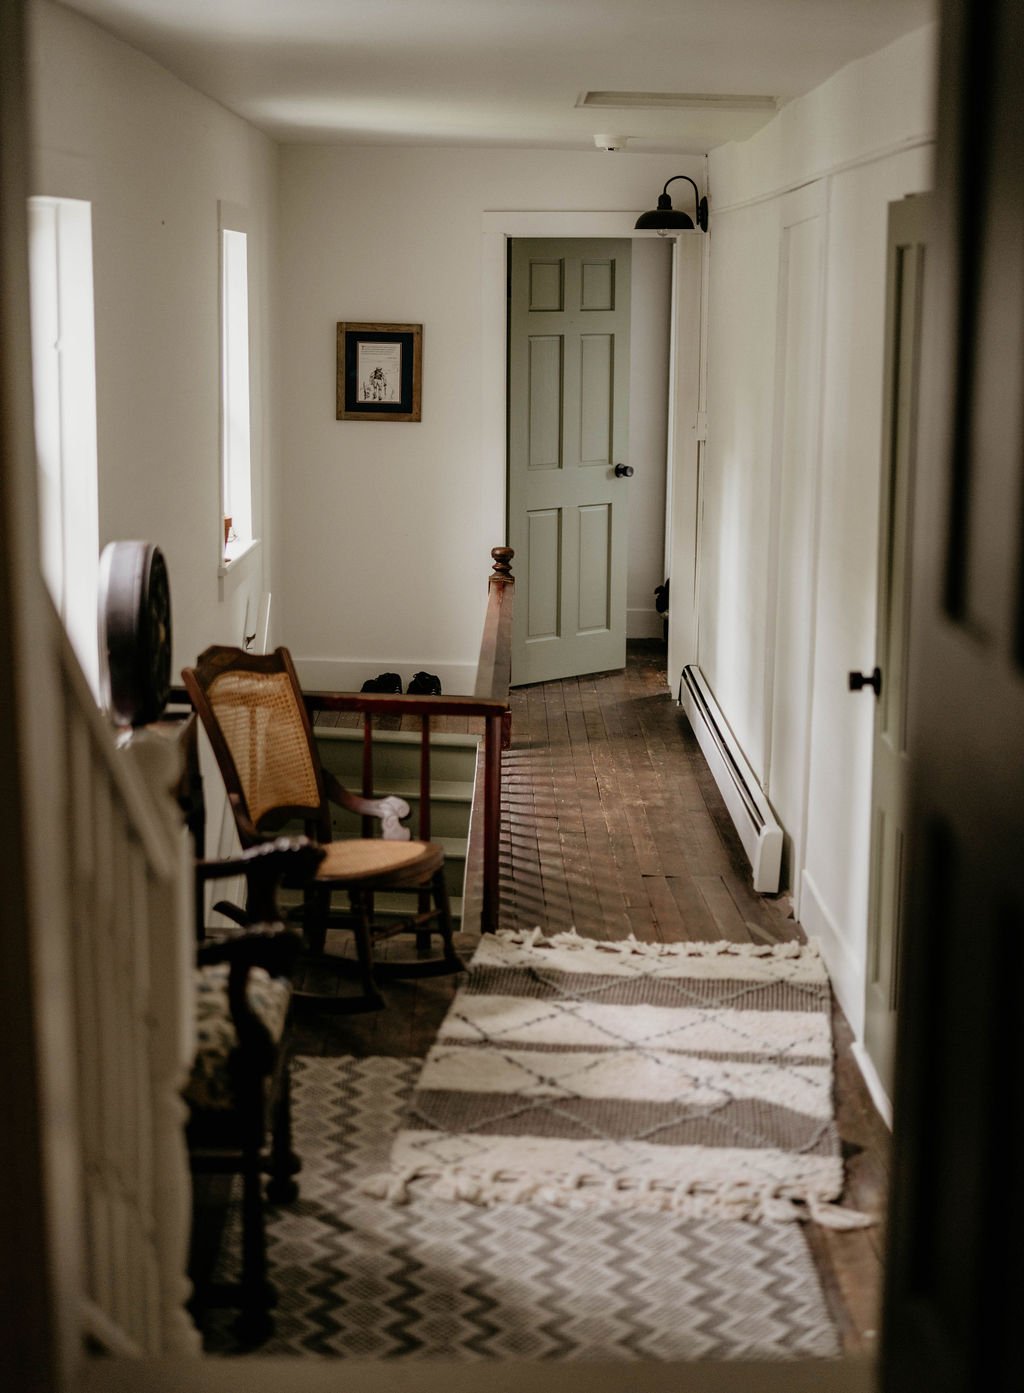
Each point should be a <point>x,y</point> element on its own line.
<point>252,709</point>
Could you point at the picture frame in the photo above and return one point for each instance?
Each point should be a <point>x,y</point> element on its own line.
<point>379,372</point>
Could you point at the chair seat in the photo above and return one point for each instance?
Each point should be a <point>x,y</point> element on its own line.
<point>210,1085</point>
<point>356,860</point>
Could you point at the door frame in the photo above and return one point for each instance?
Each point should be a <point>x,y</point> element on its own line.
<point>905,217</point>
<point>687,332</point>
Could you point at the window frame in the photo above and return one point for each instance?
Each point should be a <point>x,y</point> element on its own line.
<point>233,218</point>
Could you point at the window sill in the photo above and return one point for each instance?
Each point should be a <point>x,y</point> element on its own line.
<point>239,554</point>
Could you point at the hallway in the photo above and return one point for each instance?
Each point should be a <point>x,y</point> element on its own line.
<point>612,823</point>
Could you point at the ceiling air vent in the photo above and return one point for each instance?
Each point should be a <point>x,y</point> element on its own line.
<point>676,101</point>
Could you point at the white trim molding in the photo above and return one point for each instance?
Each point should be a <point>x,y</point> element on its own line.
<point>844,967</point>
<point>875,1087</point>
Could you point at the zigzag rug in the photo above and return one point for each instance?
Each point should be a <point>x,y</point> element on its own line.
<point>690,1077</point>
<point>365,1279</point>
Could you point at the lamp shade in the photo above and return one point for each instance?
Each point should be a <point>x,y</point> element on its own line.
<point>665,218</point>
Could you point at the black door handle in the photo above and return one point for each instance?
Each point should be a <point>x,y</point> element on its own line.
<point>623,471</point>
<point>860,680</point>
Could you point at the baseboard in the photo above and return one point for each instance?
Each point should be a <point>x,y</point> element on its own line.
<point>644,623</point>
<point>875,1087</point>
<point>846,972</point>
<point>349,674</point>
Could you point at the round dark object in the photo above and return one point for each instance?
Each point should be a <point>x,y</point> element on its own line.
<point>135,631</point>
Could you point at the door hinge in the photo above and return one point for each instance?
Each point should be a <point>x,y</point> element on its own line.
<point>700,426</point>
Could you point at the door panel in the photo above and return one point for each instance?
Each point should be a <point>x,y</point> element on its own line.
<point>543,566</point>
<point>598,290</point>
<point>595,572</point>
<point>568,428</point>
<point>597,389</point>
<point>546,284</point>
<point>545,389</point>
<point>908,232</point>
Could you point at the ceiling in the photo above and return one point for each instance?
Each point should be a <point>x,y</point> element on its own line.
<point>503,72</point>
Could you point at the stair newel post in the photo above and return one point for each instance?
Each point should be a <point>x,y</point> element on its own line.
<point>502,580</point>
<point>502,566</point>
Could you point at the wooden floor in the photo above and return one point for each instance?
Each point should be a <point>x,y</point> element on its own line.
<point>612,823</point>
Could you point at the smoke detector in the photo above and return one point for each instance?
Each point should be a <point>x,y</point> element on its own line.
<point>610,142</point>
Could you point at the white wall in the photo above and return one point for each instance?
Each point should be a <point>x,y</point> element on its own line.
<point>791,479</point>
<point>387,527</point>
<point>154,157</point>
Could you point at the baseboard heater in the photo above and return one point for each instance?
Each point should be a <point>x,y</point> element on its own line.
<point>755,822</point>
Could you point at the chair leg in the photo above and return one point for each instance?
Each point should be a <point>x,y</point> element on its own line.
<point>423,936</point>
<point>440,890</point>
<point>364,949</point>
<point>284,1163</point>
<point>316,900</point>
<point>254,1323</point>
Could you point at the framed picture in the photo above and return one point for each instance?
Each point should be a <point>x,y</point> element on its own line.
<point>379,371</point>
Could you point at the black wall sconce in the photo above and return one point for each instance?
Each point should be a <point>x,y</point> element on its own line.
<point>665,219</point>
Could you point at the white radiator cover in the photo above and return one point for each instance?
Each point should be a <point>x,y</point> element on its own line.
<point>758,828</point>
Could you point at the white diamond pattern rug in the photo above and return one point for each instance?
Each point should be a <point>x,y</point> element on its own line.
<point>693,1078</point>
<point>363,1278</point>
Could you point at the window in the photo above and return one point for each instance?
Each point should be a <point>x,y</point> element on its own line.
<point>236,452</point>
<point>64,387</point>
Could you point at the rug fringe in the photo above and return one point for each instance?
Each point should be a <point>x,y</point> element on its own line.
<point>750,1203</point>
<point>634,947</point>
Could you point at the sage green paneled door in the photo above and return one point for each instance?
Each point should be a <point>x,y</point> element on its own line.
<point>568,430</point>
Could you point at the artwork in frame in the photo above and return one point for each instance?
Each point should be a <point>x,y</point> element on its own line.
<point>379,372</point>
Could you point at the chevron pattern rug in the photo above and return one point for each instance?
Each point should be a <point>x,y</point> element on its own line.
<point>362,1278</point>
<point>694,1078</point>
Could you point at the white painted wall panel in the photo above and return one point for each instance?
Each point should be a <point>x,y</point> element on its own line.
<point>737,475</point>
<point>860,140</point>
<point>789,621</point>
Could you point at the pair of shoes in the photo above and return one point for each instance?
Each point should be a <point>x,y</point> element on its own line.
<point>424,684</point>
<point>383,682</point>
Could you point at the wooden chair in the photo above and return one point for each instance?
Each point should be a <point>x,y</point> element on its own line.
<point>252,710</point>
<point>238,1092</point>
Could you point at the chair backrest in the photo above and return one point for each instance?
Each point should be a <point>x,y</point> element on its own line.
<point>252,710</point>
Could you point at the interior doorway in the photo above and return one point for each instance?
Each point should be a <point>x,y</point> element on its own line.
<point>589,328</point>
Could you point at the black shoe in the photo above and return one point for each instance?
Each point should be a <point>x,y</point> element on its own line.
<point>424,684</point>
<point>383,682</point>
